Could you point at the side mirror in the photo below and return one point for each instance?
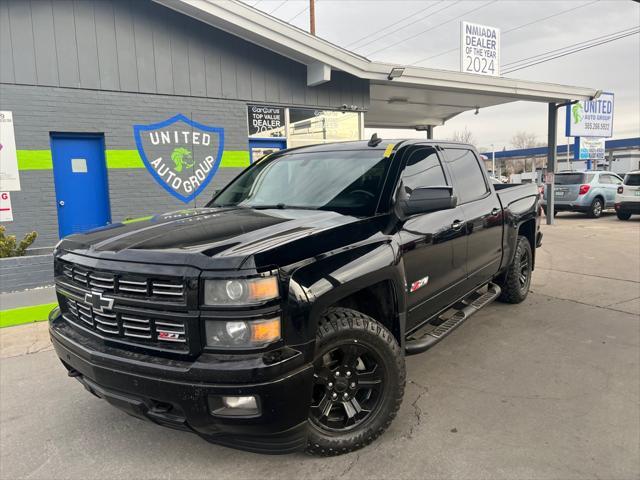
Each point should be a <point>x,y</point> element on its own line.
<point>429,199</point>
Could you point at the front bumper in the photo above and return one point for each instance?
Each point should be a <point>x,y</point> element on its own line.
<point>175,393</point>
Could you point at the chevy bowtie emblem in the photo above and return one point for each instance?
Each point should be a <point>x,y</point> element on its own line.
<point>98,302</point>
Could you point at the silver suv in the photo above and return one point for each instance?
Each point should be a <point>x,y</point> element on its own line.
<point>589,192</point>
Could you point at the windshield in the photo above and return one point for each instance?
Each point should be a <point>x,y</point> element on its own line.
<point>348,182</point>
<point>573,178</point>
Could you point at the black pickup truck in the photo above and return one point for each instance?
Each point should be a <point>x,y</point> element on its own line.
<point>277,317</point>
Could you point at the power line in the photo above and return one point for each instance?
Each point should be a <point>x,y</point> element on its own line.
<point>409,24</point>
<point>576,50</point>
<point>279,5</point>
<point>510,30</point>
<point>432,28</point>
<point>298,14</point>
<point>579,44</point>
<point>378,32</point>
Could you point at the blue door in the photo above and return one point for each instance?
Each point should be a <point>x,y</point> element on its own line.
<point>259,147</point>
<point>80,178</point>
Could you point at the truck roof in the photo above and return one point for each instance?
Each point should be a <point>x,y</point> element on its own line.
<point>364,144</point>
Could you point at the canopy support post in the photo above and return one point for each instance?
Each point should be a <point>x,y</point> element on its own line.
<point>552,144</point>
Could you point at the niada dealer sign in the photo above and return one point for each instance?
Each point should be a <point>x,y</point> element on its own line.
<point>591,118</point>
<point>181,154</point>
<point>479,49</point>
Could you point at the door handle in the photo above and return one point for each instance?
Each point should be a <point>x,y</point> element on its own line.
<point>456,225</point>
<point>495,212</point>
<point>61,203</point>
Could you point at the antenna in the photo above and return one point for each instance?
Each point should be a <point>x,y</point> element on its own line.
<point>374,141</point>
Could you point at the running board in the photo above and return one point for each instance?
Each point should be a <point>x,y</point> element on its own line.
<point>424,343</point>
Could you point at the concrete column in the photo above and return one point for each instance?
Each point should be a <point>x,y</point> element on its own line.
<point>430,132</point>
<point>552,143</point>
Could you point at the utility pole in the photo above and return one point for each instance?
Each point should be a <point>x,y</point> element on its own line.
<point>312,17</point>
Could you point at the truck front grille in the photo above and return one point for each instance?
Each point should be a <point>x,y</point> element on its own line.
<point>166,290</point>
<point>140,328</point>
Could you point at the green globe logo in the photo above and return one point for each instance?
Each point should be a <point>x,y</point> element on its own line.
<point>182,158</point>
<point>576,110</point>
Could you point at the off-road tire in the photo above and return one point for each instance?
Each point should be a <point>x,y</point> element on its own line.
<point>512,289</point>
<point>623,215</point>
<point>596,208</point>
<point>337,325</point>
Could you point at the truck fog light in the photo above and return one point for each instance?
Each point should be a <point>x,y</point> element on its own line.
<point>240,402</point>
<point>233,406</point>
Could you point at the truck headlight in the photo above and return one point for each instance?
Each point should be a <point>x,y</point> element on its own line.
<point>240,292</point>
<point>242,333</point>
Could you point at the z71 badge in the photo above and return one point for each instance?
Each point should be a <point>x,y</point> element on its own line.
<point>418,284</point>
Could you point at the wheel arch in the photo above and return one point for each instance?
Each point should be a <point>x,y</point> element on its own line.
<point>367,279</point>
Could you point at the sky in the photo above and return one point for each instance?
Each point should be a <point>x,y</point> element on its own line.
<point>405,31</point>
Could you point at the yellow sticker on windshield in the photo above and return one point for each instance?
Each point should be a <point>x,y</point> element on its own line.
<point>388,150</point>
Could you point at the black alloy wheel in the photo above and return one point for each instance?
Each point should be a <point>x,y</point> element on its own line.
<point>516,281</point>
<point>359,380</point>
<point>349,384</point>
<point>525,269</point>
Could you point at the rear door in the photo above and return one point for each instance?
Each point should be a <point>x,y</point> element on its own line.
<point>433,244</point>
<point>482,211</point>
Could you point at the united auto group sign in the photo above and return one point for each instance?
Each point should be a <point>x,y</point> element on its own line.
<point>181,154</point>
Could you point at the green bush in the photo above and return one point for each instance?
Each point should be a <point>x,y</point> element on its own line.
<point>8,246</point>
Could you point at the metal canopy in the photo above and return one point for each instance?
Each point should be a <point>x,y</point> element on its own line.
<point>417,97</point>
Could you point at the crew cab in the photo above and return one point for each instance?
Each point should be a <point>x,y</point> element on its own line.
<point>277,317</point>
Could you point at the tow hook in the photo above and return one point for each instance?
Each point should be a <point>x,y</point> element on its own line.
<point>74,373</point>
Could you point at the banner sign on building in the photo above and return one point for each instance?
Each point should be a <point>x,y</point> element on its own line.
<point>181,154</point>
<point>9,177</point>
<point>265,121</point>
<point>6,212</point>
<point>590,148</point>
<point>591,118</point>
<point>479,49</point>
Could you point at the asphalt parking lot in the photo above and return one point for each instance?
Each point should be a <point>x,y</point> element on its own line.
<point>549,389</point>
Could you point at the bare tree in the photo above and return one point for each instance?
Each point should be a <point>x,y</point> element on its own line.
<point>464,136</point>
<point>525,140</point>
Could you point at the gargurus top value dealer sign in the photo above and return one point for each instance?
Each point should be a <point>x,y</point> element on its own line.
<point>181,154</point>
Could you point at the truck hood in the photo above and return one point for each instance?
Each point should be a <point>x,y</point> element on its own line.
<point>224,238</point>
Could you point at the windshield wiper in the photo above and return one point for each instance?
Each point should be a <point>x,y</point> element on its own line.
<point>279,206</point>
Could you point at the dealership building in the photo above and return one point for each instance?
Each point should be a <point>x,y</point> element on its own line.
<point>123,108</point>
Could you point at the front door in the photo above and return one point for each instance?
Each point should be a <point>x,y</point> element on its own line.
<point>80,178</point>
<point>259,147</point>
<point>434,244</point>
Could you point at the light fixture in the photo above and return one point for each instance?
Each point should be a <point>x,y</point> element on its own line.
<point>596,95</point>
<point>395,73</point>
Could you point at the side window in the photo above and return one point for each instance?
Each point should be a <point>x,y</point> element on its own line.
<point>616,180</point>
<point>423,169</point>
<point>605,179</point>
<point>469,179</point>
